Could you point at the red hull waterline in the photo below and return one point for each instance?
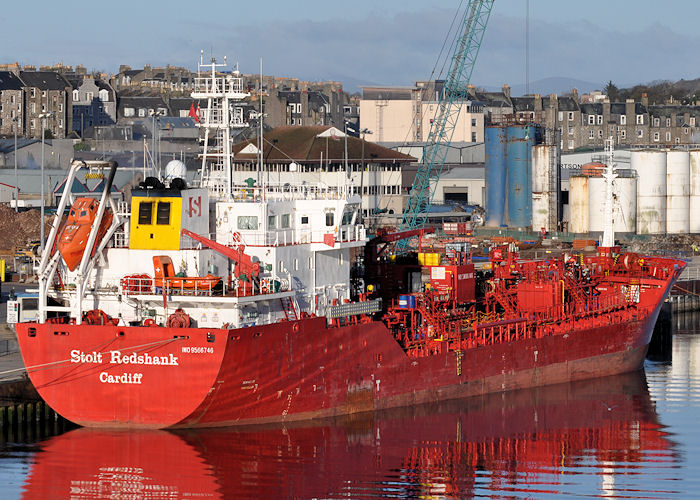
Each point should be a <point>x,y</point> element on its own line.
<point>157,377</point>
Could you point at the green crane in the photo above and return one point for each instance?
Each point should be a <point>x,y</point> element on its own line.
<point>466,49</point>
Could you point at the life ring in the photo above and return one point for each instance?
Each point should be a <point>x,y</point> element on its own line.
<point>265,286</point>
<point>149,322</point>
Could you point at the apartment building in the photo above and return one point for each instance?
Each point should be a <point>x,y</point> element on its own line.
<point>47,94</point>
<point>11,103</point>
<point>404,114</point>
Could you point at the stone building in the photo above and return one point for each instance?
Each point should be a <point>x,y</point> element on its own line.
<point>47,92</point>
<point>11,104</point>
<point>94,104</point>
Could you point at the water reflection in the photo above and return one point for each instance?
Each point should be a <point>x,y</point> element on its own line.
<point>595,437</point>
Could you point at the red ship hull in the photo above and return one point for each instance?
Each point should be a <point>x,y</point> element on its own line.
<point>112,376</point>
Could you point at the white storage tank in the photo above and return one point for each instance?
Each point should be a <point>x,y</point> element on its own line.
<point>677,192</point>
<point>578,204</point>
<point>596,204</point>
<point>650,167</point>
<point>694,198</point>
<point>625,205</point>
<point>545,187</point>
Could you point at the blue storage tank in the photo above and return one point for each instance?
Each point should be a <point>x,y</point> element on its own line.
<point>520,140</point>
<point>495,174</point>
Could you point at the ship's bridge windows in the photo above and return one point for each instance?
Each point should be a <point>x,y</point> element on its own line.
<point>271,221</point>
<point>330,219</point>
<point>349,214</point>
<point>248,222</point>
<point>163,213</point>
<point>284,221</point>
<point>146,212</point>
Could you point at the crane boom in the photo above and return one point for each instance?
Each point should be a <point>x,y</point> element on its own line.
<point>473,27</point>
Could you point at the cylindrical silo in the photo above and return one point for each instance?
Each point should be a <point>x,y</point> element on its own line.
<point>650,167</point>
<point>578,204</point>
<point>694,204</point>
<point>495,175</point>
<point>545,187</point>
<point>625,205</point>
<point>519,194</point>
<point>596,204</point>
<point>677,192</point>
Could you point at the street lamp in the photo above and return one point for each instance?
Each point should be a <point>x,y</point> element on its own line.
<point>16,122</point>
<point>43,117</point>
<point>364,132</point>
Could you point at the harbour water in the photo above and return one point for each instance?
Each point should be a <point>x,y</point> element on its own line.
<point>632,436</point>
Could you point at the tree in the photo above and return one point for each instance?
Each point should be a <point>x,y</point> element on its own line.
<point>611,91</point>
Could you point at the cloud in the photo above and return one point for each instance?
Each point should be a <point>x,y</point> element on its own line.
<point>379,48</point>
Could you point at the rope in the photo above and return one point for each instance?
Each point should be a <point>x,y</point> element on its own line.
<point>686,291</point>
<point>52,363</point>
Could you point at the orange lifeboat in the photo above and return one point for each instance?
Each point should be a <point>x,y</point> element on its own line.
<point>165,276</point>
<point>75,232</point>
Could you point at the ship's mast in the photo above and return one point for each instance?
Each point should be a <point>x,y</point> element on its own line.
<point>608,238</point>
<point>223,94</point>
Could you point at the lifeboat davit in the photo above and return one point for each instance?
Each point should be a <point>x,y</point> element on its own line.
<point>75,233</point>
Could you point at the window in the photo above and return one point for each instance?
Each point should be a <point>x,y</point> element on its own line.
<point>473,122</point>
<point>43,93</point>
<point>89,96</point>
<point>692,121</point>
<point>129,112</point>
<point>656,137</point>
<point>623,134</point>
<point>60,123</point>
<point>330,219</point>
<point>298,107</point>
<point>640,133</point>
<point>571,130</point>
<point>591,134</point>
<point>284,221</point>
<point>12,99</point>
<point>668,122</point>
<point>678,140</point>
<point>623,119</point>
<point>685,130</point>
<point>600,119</point>
<point>561,116</point>
<point>668,136</point>
<point>657,122</point>
<point>32,123</point>
<point>32,92</point>
<point>304,219</point>
<point>571,144</point>
<point>145,212</point>
<point>571,116</point>
<point>271,221</point>
<point>33,107</point>
<point>76,95</point>
<point>60,107</point>
<point>640,119</point>
<point>247,222</point>
<point>473,136</point>
<point>591,119</point>
<point>600,134</point>
<point>163,213</point>
<point>104,95</point>
<point>142,112</point>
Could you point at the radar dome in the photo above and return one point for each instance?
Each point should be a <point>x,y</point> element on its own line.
<point>175,169</point>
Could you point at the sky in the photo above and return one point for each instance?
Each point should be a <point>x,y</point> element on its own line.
<point>387,42</point>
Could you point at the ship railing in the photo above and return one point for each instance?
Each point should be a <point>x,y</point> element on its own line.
<point>286,237</point>
<point>218,85</point>
<point>146,285</point>
<point>288,191</point>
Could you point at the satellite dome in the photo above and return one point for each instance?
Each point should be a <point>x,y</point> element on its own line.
<point>175,169</point>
